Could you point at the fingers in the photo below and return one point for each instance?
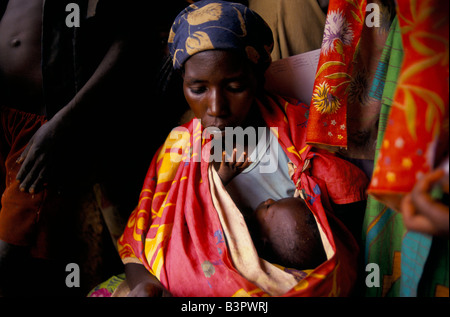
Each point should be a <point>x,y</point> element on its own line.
<point>413,220</point>
<point>24,153</point>
<point>32,175</point>
<point>242,158</point>
<point>223,162</point>
<point>245,161</point>
<point>24,169</point>
<point>38,184</point>
<point>231,167</point>
<point>425,183</point>
<point>428,216</point>
<point>231,160</point>
<point>422,199</point>
<point>238,163</point>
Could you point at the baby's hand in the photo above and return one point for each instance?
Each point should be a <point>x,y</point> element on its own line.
<point>229,169</point>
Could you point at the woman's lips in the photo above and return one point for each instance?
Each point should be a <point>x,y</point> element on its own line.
<point>220,127</point>
<point>217,130</point>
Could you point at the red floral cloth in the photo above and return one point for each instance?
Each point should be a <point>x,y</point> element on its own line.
<point>327,123</point>
<point>419,114</point>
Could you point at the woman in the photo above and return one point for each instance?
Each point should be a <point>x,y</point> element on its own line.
<point>188,235</point>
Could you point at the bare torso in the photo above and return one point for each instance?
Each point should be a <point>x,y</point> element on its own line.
<point>20,56</point>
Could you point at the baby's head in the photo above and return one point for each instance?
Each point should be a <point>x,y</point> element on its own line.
<point>286,233</point>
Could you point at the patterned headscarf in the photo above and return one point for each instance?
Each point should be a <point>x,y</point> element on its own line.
<point>220,25</point>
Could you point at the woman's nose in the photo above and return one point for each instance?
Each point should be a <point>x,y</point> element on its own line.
<point>218,106</point>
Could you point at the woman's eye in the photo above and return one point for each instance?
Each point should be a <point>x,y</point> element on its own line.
<point>236,88</point>
<point>197,90</point>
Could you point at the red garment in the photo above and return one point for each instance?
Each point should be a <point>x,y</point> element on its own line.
<point>419,113</point>
<point>328,117</point>
<point>176,233</point>
<point>23,217</point>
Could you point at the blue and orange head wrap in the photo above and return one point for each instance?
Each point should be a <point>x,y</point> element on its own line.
<point>220,25</point>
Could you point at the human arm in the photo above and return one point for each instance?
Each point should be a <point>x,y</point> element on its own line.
<point>45,148</point>
<point>229,169</point>
<point>142,283</point>
<point>421,212</point>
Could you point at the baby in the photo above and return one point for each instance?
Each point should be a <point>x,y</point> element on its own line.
<point>284,232</point>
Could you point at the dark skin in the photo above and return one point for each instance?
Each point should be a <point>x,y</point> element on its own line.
<point>21,77</point>
<point>281,230</point>
<point>231,167</point>
<point>142,283</point>
<point>222,95</point>
<point>220,88</point>
<point>421,212</point>
<point>37,157</point>
<point>286,234</point>
<point>20,56</point>
<point>21,88</point>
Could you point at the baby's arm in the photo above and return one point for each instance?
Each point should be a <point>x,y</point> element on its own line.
<point>229,169</point>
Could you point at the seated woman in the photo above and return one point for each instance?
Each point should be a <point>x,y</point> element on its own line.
<point>188,235</point>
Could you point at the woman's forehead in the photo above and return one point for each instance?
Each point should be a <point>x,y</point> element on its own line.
<point>215,62</point>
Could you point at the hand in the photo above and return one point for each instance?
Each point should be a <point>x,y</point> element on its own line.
<point>229,169</point>
<point>38,156</point>
<point>148,289</point>
<point>421,212</point>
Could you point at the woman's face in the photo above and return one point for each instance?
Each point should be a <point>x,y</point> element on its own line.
<point>220,88</point>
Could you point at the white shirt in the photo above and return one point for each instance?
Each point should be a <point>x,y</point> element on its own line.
<point>267,177</point>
